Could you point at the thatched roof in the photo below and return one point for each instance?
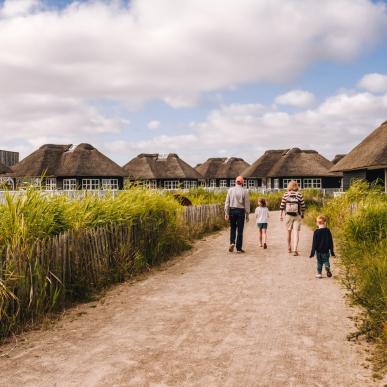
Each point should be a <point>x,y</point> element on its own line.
<point>4,169</point>
<point>290,163</point>
<point>337,158</point>
<point>156,166</point>
<point>222,168</point>
<point>67,161</point>
<point>371,152</point>
<point>264,164</point>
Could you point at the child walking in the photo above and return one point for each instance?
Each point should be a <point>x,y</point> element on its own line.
<point>322,246</point>
<point>262,218</point>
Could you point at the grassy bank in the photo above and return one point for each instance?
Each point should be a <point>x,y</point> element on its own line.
<point>359,223</point>
<point>37,231</point>
<point>312,197</point>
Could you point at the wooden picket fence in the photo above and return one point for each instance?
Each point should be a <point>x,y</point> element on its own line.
<point>204,218</point>
<point>51,272</point>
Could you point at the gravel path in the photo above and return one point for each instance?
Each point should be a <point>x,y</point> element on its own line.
<point>209,318</point>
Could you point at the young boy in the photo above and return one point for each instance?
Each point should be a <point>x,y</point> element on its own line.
<point>322,246</point>
<point>262,218</point>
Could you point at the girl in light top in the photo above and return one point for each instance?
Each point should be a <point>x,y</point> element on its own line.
<point>262,218</point>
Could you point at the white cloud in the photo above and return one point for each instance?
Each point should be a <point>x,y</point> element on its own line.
<point>28,121</point>
<point>296,98</point>
<point>154,124</point>
<point>55,63</point>
<point>13,8</point>
<point>175,50</point>
<point>247,130</point>
<point>376,83</point>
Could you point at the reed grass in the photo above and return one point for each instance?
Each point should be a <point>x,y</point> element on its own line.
<point>359,223</point>
<point>100,241</point>
<point>312,197</point>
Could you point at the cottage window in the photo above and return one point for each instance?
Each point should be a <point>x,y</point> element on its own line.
<point>285,182</point>
<point>151,184</point>
<point>213,183</point>
<point>69,184</point>
<point>251,183</point>
<point>90,184</point>
<point>312,183</point>
<point>171,184</point>
<point>232,183</point>
<point>109,184</point>
<point>188,184</point>
<point>223,183</point>
<point>50,184</point>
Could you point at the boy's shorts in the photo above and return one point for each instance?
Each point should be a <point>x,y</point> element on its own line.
<point>293,222</point>
<point>262,226</point>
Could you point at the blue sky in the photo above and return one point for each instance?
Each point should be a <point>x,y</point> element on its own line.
<point>198,78</point>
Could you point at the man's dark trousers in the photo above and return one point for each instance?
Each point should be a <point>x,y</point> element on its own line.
<point>237,223</point>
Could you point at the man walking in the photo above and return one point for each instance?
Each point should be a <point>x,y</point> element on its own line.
<point>237,209</point>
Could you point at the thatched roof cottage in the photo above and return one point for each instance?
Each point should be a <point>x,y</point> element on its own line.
<point>221,171</point>
<point>367,161</point>
<point>69,167</point>
<point>167,171</point>
<point>275,168</point>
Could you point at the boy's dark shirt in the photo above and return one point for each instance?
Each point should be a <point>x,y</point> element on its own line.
<point>322,242</point>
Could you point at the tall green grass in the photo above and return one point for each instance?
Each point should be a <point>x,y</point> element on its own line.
<point>313,197</point>
<point>33,217</point>
<point>359,223</point>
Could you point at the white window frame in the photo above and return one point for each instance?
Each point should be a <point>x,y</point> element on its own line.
<point>110,184</point>
<point>189,184</point>
<point>312,183</point>
<point>50,184</point>
<point>276,183</point>
<point>90,184</point>
<point>252,183</point>
<point>223,183</point>
<point>171,185</point>
<point>69,184</point>
<point>285,182</point>
<point>232,183</point>
<point>212,183</point>
<point>150,184</point>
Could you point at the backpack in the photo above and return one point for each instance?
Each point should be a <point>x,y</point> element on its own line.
<point>292,205</point>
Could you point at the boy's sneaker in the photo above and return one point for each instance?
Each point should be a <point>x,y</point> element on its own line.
<point>318,275</point>
<point>329,273</point>
<point>231,248</point>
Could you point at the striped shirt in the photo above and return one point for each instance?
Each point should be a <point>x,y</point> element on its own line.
<point>300,199</point>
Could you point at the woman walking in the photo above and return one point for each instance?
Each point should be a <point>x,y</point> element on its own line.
<point>293,205</point>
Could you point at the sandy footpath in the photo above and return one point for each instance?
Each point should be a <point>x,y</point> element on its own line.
<point>209,319</point>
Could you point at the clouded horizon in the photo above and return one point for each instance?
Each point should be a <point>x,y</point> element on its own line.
<point>199,78</point>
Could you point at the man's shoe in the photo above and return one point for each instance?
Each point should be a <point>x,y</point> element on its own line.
<point>318,275</point>
<point>265,246</point>
<point>231,248</point>
<point>241,251</point>
<point>329,273</point>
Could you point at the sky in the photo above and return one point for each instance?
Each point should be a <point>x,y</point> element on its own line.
<point>198,78</point>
